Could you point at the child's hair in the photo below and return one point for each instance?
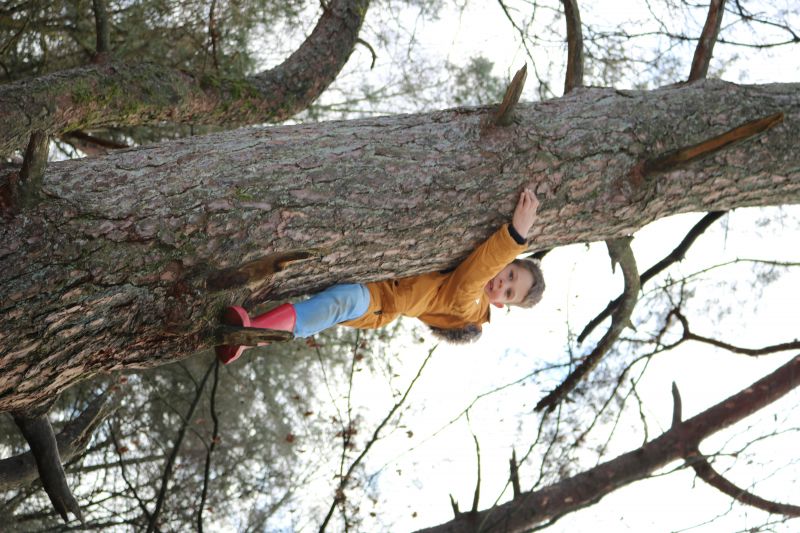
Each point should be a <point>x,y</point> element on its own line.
<point>537,288</point>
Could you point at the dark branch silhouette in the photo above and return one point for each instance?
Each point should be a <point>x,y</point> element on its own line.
<point>574,76</point>
<point>214,439</point>
<point>765,350</point>
<point>40,437</point>
<point>674,256</point>
<point>707,473</point>
<point>705,46</point>
<point>588,487</point>
<point>103,46</point>
<point>167,474</point>
<point>21,470</point>
<point>620,252</point>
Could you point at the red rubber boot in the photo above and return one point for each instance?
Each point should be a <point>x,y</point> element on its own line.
<point>281,318</point>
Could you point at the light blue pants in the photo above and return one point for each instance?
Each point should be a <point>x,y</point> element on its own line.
<point>336,304</point>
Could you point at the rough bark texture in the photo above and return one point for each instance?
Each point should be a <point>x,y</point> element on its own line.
<point>130,257</point>
<point>586,488</point>
<point>123,94</point>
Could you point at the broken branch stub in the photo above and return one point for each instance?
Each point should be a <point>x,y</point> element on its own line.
<point>504,114</point>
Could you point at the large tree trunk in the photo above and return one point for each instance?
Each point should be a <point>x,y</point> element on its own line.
<point>129,258</point>
<point>134,94</point>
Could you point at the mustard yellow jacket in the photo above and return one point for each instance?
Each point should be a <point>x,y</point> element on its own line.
<point>449,301</point>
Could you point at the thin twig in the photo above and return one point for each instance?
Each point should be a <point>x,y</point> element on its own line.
<point>344,479</point>
<point>212,446</point>
<point>167,474</point>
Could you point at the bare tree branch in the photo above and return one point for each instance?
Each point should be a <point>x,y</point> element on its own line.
<point>103,47</point>
<point>213,33</point>
<point>765,350</point>
<point>212,446</point>
<point>476,496</point>
<point>505,111</point>
<point>687,154</point>
<point>707,473</point>
<point>39,434</point>
<point>677,406</point>
<point>705,46</point>
<point>151,525</point>
<point>586,488</point>
<point>236,335</point>
<point>574,76</point>
<point>346,477</point>
<point>121,463</point>
<point>270,96</point>
<point>674,256</point>
<point>21,469</point>
<point>620,252</point>
<point>514,474</point>
<point>24,189</point>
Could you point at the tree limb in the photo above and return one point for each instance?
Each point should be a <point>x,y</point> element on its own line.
<point>514,473</point>
<point>688,154</point>
<point>167,474</point>
<point>66,100</point>
<point>504,114</point>
<point>235,335</point>
<point>20,470</point>
<point>103,47</point>
<point>574,76</point>
<point>707,473</point>
<point>677,406</point>
<point>39,434</point>
<point>674,256</point>
<point>765,350</point>
<point>26,187</point>
<point>620,252</point>
<point>476,496</point>
<point>567,495</point>
<point>705,46</point>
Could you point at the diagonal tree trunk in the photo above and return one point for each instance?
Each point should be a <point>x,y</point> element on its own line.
<point>128,259</point>
<point>125,94</point>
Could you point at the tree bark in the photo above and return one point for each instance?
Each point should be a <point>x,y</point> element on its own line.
<point>128,259</point>
<point>589,487</point>
<point>117,93</point>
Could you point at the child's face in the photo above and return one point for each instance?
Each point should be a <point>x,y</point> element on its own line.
<point>509,286</point>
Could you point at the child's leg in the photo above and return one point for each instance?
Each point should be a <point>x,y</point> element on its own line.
<point>327,308</point>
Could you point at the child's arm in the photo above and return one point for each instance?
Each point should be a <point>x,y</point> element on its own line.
<point>468,280</point>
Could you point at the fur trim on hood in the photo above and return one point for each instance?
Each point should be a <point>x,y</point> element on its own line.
<point>466,335</point>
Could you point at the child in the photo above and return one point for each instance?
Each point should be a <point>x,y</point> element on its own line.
<point>453,304</point>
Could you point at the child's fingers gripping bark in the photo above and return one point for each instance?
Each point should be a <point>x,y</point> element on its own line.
<point>525,212</point>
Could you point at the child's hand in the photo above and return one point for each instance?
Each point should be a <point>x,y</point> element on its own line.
<point>525,212</point>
